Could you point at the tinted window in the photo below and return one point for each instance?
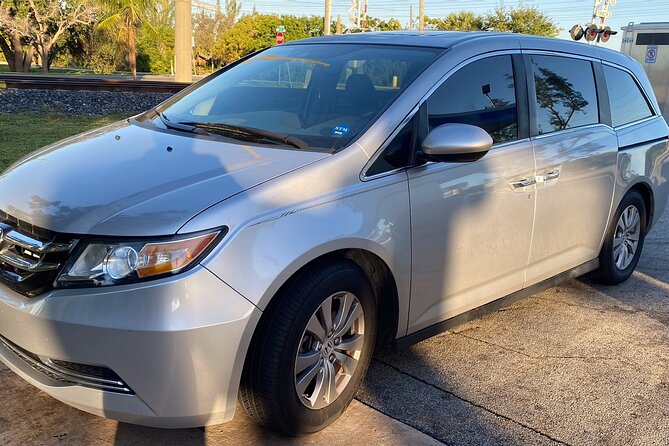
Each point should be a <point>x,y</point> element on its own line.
<point>652,39</point>
<point>323,94</point>
<point>396,154</point>
<point>289,74</point>
<point>482,94</point>
<point>627,102</point>
<point>566,94</point>
<point>385,74</point>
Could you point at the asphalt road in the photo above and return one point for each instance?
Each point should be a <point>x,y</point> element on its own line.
<point>579,364</point>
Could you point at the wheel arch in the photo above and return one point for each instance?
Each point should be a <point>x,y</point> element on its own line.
<point>379,275</point>
<point>646,193</point>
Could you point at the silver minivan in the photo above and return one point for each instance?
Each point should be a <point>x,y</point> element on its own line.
<point>257,235</point>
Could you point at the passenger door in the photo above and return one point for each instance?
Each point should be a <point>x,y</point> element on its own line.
<point>471,223</point>
<point>576,153</point>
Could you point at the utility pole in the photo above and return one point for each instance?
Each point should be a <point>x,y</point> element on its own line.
<point>594,11</point>
<point>183,41</point>
<point>421,15</point>
<point>410,17</point>
<point>358,14</point>
<point>338,23</point>
<point>354,12</point>
<point>364,17</point>
<point>327,19</point>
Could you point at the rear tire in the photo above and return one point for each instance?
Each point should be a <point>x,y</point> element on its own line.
<point>274,391</point>
<point>624,241</point>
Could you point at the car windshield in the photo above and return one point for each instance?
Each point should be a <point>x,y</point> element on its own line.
<point>319,96</point>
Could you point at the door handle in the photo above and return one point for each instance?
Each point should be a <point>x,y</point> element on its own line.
<point>523,183</point>
<point>552,175</point>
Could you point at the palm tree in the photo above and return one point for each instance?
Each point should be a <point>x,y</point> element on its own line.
<point>125,17</point>
<point>462,21</point>
<point>457,21</point>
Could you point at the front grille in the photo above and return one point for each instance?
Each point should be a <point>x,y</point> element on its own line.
<point>71,373</point>
<point>30,257</point>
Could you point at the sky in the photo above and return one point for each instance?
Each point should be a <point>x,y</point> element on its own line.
<point>565,12</point>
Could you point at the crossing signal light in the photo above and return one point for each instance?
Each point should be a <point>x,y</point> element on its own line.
<point>576,32</point>
<point>605,34</point>
<point>591,33</point>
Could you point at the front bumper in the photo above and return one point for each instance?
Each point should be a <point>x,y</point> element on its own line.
<point>179,344</point>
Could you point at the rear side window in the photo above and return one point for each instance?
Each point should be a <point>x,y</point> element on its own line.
<point>481,94</point>
<point>566,94</point>
<point>628,104</point>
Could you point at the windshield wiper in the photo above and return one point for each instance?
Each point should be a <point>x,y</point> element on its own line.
<point>250,132</point>
<point>182,127</point>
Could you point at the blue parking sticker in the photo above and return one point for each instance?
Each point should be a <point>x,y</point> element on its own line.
<point>341,130</point>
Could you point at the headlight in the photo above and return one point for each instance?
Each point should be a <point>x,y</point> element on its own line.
<point>101,263</point>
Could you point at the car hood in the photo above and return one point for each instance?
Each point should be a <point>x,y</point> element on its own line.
<point>129,179</point>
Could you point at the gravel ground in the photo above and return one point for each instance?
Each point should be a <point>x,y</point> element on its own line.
<point>578,364</point>
<point>78,102</point>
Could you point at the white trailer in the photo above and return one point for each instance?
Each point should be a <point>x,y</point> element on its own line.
<point>648,43</point>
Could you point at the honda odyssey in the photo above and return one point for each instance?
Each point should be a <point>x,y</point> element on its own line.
<point>255,236</point>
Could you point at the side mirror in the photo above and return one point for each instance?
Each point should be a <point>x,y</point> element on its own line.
<point>456,143</point>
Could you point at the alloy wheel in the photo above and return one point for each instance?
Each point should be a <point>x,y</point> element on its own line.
<point>626,238</point>
<point>330,349</point>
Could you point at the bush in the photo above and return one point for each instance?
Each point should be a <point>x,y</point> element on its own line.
<point>257,31</point>
<point>155,51</point>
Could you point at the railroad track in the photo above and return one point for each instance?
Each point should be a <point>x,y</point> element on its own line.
<point>50,82</point>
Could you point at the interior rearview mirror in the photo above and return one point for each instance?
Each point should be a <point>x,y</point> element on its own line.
<point>456,143</point>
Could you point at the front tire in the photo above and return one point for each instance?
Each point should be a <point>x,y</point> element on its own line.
<point>311,350</point>
<point>624,241</point>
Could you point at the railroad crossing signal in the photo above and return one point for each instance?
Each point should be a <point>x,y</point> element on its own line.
<point>600,33</point>
<point>592,32</point>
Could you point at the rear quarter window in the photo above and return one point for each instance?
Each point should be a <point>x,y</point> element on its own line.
<point>628,103</point>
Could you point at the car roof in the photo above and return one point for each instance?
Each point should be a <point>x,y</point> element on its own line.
<point>436,39</point>
<point>449,39</point>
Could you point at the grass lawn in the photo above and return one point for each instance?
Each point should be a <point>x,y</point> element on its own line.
<point>36,70</point>
<point>20,134</point>
<point>4,69</point>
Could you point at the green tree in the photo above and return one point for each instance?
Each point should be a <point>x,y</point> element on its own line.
<point>257,31</point>
<point>51,19</point>
<point>15,40</point>
<point>522,19</point>
<point>161,14</point>
<point>155,51</point>
<point>457,21</point>
<point>208,28</point>
<point>124,19</point>
<point>40,24</point>
<point>374,24</point>
<point>155,45</point>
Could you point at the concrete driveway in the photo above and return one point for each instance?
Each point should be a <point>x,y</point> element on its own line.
<point>578,364</point>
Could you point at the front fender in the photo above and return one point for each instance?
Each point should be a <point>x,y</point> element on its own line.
<point>261,256</point>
